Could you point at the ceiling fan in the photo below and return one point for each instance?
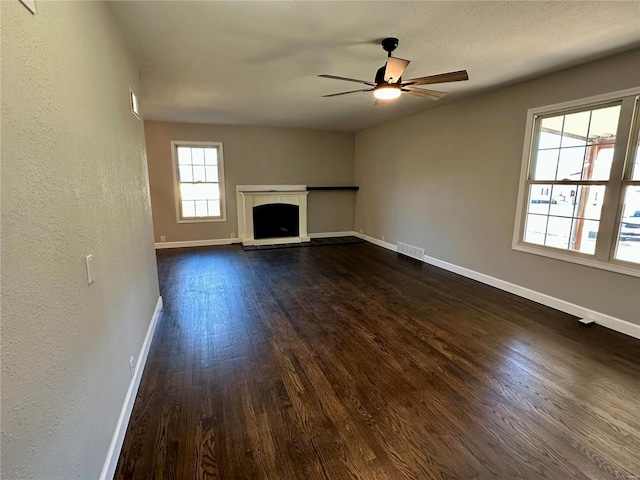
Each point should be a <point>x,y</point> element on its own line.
<point>388,82</point>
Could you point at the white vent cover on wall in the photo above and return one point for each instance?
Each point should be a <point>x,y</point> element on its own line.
<point>411,251</point>
<point>135,106</point>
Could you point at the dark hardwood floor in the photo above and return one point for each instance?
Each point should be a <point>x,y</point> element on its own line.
<point>350,362</point>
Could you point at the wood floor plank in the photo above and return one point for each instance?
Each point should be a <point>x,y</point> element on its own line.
<point>351,362</point>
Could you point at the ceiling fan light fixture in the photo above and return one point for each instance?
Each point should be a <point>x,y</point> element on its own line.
<point>386,92</point>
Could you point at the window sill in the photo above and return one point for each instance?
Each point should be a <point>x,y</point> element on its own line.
<point>202,220</point>
<point>580,260</point>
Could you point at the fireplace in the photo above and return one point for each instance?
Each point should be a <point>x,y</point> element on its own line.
<point>272,214</point>
<point>275,220</point>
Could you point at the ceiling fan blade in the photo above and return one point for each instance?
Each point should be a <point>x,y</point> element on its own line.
<point>324,75</point>
<point>419,92</point>
<point>441,78</point>
<point>352,91</point>
<point>394,69</point>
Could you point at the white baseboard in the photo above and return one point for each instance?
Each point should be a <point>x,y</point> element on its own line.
<point>375,241</point>
<point>229,241</point>
<point>603,319</point>
<point>110,463</point>
<point>332,234</point>
<point>197,243</point>
<point>617,324</point>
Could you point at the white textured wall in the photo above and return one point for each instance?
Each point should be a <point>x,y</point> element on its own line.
<point>447,180</point>
<point>74,182</point>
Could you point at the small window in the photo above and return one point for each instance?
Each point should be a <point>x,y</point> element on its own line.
<point>580,187</point>
<point>199,182</point>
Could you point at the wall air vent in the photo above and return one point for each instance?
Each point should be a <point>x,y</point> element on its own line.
<point>411,251</point>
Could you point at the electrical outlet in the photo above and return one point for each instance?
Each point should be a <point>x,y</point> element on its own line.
<point>383,238</point>
<point>361,231</point>
<point>163,238</point>
<point>233,234</point>
<point>89,261</point>
<point>132,367</point>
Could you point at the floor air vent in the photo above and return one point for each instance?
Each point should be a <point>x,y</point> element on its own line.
<point>411,251</point>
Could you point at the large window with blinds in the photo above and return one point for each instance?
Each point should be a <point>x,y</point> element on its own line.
<point>198,170</point>
<point>580,183</point>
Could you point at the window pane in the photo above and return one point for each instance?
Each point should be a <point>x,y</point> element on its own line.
<point>201,208</point>
<point>590,198</point>
<point>198,198</point>
<point>569,141</point>
<point>574,211</point>
<point>187,191</point>
<point>582,201</point>
<point>539,199</point>
<point>535,229</point>
<point>214,208</point>
<point>558,232</point>
<point>197,155</point>
<point>635,168</point>
<point>563,200</point>
<point>202,191</point>
<point>211,156</point>
<point>188,209</point>
<point>212,174</point>
<point>576,127</point>
<point>546,164</point>
<point>184,155</point>
<point>635,172</point>
<point>198,174</point>
<point>550,132</point>
<point>186,173</point>
<point>628,247</point>
<point>584,235</point>
<point>214,191</point>
<point>586,140</point>
<point>599,161</point>
<point>570,163</point>
<point>604,124</point>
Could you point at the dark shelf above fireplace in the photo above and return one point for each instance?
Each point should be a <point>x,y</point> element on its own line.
<point>347,187</point>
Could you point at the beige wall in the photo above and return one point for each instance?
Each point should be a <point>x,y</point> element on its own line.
<point>447,180</point>
<point>255,156</point>
<point>74,182</point>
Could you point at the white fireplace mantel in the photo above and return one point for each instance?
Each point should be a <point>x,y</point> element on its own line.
<point>249,196</point>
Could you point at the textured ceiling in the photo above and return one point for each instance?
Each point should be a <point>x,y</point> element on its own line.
<point>256,63</point>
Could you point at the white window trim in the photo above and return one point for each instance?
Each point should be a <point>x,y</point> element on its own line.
<point>518,244</point>
<point>176,184</point>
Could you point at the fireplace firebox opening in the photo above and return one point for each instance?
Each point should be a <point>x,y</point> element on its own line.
<point>275,220</point>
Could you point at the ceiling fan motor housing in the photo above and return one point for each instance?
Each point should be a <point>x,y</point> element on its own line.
<point>380,76</point>
<point>389,44</point>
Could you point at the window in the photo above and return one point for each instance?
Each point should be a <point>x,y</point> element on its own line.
<point>199,182</point>
<point>580,183</point>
